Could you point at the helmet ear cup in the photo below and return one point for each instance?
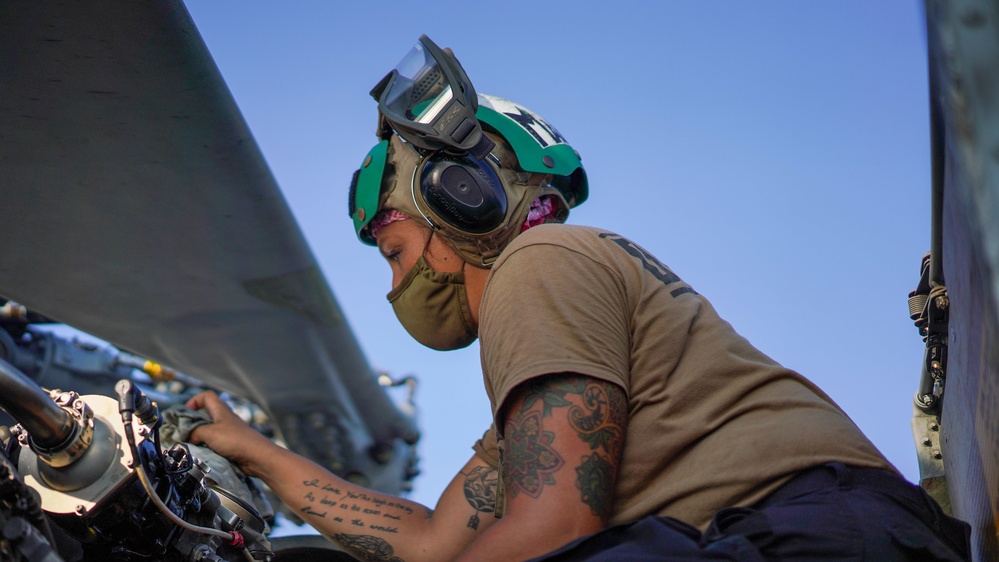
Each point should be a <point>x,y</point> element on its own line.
<point>463,191</point>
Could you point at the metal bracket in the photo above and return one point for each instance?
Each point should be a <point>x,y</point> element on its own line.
<point>926,431</point>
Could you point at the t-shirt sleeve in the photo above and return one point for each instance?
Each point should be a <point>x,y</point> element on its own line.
<point>486,449</point>
<point>551,309</point>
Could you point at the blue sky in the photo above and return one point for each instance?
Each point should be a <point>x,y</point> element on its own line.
<point>775,154</point>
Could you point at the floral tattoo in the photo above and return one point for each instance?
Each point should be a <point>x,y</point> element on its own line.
<point>596,410</point>
<point>529,459</point>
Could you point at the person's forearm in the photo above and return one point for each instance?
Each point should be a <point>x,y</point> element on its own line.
<point>369,524</point>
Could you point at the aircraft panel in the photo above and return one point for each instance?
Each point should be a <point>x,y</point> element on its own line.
<point>963,37</point>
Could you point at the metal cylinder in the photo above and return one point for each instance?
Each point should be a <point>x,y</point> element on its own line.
<point>48,424</point>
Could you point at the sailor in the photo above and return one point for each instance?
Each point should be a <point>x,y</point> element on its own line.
<point>631,422</point>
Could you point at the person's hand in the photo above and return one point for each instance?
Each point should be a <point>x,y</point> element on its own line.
<point>228,435</point>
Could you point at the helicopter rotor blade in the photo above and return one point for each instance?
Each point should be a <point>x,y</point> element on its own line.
<point>137,207</point>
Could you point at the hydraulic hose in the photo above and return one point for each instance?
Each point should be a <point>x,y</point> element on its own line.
<point>48,424</point>
<point>937,171</point>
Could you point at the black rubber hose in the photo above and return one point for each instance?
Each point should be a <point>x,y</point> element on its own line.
<point>938,148</point>
<point>48,425</point>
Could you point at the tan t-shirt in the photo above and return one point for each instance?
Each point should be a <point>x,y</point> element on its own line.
<point>713,422</point>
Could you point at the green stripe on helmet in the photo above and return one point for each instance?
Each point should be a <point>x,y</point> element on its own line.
<point>367,192</point>
<point>543,157</point>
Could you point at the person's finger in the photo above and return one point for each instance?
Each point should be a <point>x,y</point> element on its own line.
<point>196,436</point>
<point>197,401</point>
<point>210,402</point>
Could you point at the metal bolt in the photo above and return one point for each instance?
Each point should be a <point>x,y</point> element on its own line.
<point>202,465</point>
<point>927,442</point>
<point>942,302</point>
<point>81,509</point>
<point>937,455</point>
<point>934,427</point>
<point>548,161</point>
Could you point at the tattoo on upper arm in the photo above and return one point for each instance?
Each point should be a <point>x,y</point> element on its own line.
<point>551,391</point>
<point>480,492</point>
<point>593,476</point>
<point>368,548</point>
<point>597,411</point>
<point>529,461</point>
<point>600,421</point>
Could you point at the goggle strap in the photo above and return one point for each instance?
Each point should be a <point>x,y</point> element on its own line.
<point>384,129</point>
<point>483,147</point>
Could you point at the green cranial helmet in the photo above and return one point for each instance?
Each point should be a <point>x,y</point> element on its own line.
<point>467,165</point>
<point>478,205</point>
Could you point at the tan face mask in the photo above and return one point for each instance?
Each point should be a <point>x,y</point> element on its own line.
<point>433,307</point>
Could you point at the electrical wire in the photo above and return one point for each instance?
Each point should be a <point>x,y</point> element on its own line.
<point>151,492</point>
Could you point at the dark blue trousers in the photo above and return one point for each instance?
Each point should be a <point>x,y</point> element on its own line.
<point>832,512</point>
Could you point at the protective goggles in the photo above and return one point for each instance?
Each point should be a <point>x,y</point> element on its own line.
<point>429,101</point>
